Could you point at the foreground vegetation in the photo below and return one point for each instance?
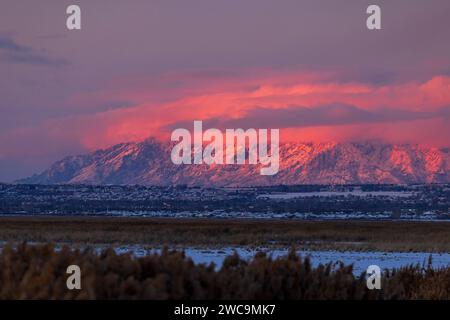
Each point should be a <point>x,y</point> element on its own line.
<point>177,233</point>
<point>38,272</point>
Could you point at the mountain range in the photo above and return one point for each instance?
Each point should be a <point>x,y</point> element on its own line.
<point>148,162</point>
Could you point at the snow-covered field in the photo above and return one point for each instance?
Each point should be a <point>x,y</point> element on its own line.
<point>355,193</point>
<point>360,260</point>
<point>220,214</point>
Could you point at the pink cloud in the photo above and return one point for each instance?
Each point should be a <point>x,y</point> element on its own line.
<point>232,96</point>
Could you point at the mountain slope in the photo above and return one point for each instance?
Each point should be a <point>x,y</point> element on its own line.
<point>149,162</point>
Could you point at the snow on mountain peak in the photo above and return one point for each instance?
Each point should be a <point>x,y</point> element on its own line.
<point>148,162</point>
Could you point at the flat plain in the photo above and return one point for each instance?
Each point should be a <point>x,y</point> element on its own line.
<point>399,236</point>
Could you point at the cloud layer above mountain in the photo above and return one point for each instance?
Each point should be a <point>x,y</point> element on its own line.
<point>308,67</point>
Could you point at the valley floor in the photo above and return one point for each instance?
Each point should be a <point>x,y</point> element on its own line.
<point>333,251</point>
<point>384,236</point>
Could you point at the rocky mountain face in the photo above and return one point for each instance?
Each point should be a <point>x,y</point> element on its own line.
<point>148,162</point>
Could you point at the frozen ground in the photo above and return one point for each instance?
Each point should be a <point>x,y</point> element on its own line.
<point>360,260</point>
<point>356,193</point>
<point>220,214</point>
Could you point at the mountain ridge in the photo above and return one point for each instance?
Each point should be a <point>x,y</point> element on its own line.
<point>148,162</point>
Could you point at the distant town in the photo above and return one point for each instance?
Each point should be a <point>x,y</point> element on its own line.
<point>403,202</point>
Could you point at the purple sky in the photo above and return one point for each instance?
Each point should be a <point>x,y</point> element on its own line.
<point>54,82</point>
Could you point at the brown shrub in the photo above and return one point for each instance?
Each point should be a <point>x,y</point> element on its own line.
<point>38,272</point>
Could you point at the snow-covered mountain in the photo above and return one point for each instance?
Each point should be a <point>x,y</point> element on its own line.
<point>149,162</point>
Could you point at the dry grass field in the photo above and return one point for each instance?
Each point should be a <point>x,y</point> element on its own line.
<point>337,235</point>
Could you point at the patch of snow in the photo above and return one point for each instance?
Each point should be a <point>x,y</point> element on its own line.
<point>360,260</point>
